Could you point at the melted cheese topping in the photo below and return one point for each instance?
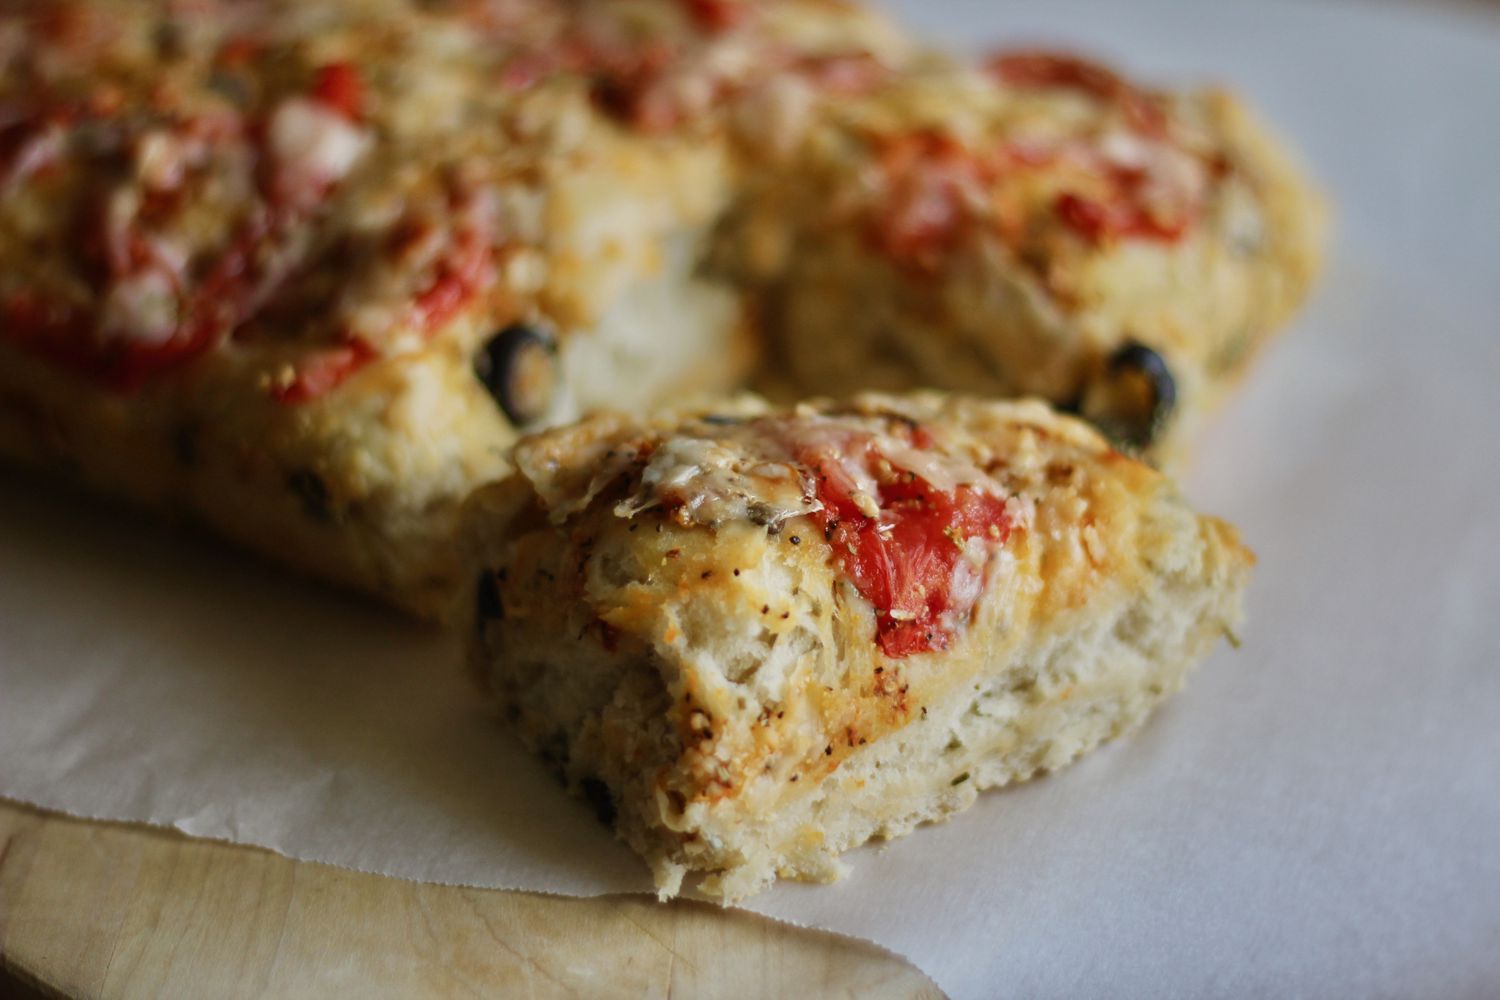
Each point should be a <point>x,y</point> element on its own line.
<point>708,482</point>
<point>762,469</point>
<point>353,178</point>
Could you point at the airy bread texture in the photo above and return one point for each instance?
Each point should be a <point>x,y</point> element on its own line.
<point>673,618</point>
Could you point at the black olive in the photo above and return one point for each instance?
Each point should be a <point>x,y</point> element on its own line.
<point>599,796</point>
<point>1132,399</point>
<point>720,420</point>
<point>518,366</point>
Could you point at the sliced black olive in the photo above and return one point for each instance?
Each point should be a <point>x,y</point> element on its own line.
<point>1132,399</point>
<point>721,420</point>
<point>518,366</point>
<point>599,796</point>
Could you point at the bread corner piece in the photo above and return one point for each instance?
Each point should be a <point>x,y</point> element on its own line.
<point>755,639</point>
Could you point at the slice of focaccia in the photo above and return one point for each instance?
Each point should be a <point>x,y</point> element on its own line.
<point>1034,225</point>
<point>301,269</point>
<point>757,638</point>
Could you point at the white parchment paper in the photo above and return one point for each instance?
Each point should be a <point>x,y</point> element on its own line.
<point>1317,815</point>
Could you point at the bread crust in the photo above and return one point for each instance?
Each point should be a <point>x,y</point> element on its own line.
<point>1010,229</point>
<point>249,256</point>
<point>251,262</point>
<point>682,636</point>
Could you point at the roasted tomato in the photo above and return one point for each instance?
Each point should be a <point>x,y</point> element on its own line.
<point>905,548</point>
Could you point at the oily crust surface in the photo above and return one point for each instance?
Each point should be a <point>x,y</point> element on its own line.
<point>669,621</point>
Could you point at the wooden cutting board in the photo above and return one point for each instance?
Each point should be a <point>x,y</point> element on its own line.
<point>113,910</point>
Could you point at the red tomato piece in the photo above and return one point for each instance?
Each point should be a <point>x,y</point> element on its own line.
<point>717,15</point>
<point>462,274</point>
<point>1099,221</point>
<point>848,74</point>
<point>932,181</point>
<point>325,370</point>
<point>340,86</point>
<point>906,560</point>
<point>31,143</point>
<point>1062,70</point>
<point>459,279</point>
<point>238,52</point>
<point>56,332</point>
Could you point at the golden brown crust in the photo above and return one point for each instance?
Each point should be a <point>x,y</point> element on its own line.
<point>1013,233</point>
<point>289,233</point>
<point>252,259</point>
<point>767,668</point>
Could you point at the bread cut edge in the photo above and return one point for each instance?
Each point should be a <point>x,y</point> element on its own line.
<point>1083,678</point>
<point>1094,677</point>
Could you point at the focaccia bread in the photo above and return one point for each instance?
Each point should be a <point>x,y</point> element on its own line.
<point>301,269</point>
<point>757,638</point>
<point>1034,225</point>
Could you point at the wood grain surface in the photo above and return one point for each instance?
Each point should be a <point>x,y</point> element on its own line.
<point>111,910</point>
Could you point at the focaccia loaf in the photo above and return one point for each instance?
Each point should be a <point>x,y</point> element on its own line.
<point>302,269</point>
<point>756,638</point>
<point>1033,225</point>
